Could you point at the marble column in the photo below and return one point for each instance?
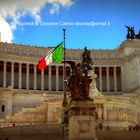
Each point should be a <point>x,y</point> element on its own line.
<point>100,78</point>
<point>27,76</point>
<point>107,78</point>
<point>115,79</point>
<point>4,73</point>
<point>57,78</point>
<point>12,74</point>
<point>20,77</point>
<point>50,78</point>
<point>35,77</point>
<point>122,78</point>
<point>42,79</point>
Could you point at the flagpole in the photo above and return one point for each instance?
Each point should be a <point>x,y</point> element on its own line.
<point>64,70</point>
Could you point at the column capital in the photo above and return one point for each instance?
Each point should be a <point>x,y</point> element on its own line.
<point>100,67</point>
<point>107,67</point>
<point>4,62</point>
<point>50,66</point>
<point>12,63</point>
<point>57,66</point>
<point>27,64</point>
<point>20,63</point>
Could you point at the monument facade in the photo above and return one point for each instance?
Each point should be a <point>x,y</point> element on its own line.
<point>23,87</point>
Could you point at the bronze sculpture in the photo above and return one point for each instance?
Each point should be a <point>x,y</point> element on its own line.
<point>131,33</point>
<point>138,35</point>
<point>86,57</point>
<point>79,81</point>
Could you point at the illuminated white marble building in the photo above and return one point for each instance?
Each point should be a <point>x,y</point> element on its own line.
<point>22,85</point>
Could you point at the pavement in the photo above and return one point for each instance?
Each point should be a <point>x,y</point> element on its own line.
<point>54,132</point>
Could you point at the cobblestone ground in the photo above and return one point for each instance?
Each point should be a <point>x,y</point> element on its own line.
<point>54,132</point>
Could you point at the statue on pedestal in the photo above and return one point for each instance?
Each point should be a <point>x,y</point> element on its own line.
<point>81,112</point>
<point>86,59</point>
<point>131,33</point>
<point>138,35</point>
<point>80,80</point>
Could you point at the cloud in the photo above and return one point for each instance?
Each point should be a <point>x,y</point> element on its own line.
<point>5,31</point>
<point>15,9</point>
<point>57,3</point>
<point>54,9</point>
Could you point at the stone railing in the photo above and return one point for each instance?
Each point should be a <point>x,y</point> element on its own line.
<point>71,54</point>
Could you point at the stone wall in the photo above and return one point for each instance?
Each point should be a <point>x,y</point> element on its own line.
<point>113,111</point>
<point>131,74</point>
<point>23,106</point>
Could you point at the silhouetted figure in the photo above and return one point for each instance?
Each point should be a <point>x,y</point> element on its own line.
<point>138,35</point>
<point>128,36</point>
<point>86,56</point>
<point>130,32</point>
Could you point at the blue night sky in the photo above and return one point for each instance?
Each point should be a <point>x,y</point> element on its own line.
<point>116,12</point>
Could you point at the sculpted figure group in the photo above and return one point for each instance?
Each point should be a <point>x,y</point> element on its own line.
<point>131,33</point>
<point>79,81</point>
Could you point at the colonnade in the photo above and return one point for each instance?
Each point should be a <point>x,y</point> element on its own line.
<point>104,76</point>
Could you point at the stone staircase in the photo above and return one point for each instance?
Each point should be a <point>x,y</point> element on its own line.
<point>36,132</point>
<point>30,124</point>
<point>28,116</point>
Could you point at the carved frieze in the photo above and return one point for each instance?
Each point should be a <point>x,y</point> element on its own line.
<point>38,52</point>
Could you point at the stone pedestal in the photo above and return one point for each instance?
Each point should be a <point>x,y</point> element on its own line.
<point>81,120</point>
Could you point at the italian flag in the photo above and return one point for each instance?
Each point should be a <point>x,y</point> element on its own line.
<point>54,55</point>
